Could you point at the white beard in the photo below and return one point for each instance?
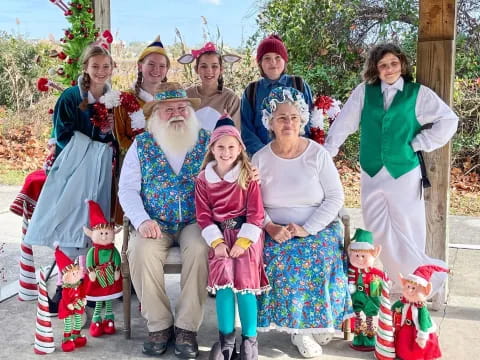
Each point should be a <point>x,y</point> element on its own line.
<point>172,137</point>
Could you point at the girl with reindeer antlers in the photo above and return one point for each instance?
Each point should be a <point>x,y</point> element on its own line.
<point>216,99</point>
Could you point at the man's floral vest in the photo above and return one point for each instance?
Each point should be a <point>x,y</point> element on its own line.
<point>167,197</point>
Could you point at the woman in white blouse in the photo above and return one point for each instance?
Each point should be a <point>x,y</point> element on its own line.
<point>397,119</point>
<point>302,195</point>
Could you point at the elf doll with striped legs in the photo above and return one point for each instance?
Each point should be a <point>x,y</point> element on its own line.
<point>72,304</point>
<point>365,286</point>
<point>103,267</point>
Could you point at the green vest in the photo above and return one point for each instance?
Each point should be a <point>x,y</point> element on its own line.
<point>386,135</point>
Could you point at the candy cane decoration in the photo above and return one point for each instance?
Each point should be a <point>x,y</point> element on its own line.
<point>60,4</point>
<point>384,344</point>
<point>44,343</point>
<point>28,290</point>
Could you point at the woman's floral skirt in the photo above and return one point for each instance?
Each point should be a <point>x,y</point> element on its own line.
<point>309,284</point>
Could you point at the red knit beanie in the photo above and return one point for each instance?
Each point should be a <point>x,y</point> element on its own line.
<point>272,43</point>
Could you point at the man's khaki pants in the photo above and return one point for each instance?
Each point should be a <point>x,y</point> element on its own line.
<point>147,257</point>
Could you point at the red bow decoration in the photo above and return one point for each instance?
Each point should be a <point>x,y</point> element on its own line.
<point>323,102</point>
<point>209,46</point>
<point>105,39</point>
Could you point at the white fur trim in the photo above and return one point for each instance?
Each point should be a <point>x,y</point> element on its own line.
<point>212,177</point>
<point>105,297</point>
<point>144,95</point>
<point>137,119</point>
<point>211,233</point>
<point>417,279</point>
<point>215,288</point>
<point>354,245</point>
<point>317,118</point>
<point>250,231</point>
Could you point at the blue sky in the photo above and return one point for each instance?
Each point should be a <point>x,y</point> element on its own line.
<point>235,18</point>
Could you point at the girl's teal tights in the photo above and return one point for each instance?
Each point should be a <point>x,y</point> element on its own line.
<point>247,308</point>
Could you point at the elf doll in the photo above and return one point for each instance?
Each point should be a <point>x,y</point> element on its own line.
<point>72,304</point>
<point>365,285</point>
<point>415,337</point>
<point>103,267</point>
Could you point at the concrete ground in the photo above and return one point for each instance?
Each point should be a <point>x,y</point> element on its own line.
<point>458,320</point>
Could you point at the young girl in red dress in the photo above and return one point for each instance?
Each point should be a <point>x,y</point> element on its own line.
<point>230,212</point>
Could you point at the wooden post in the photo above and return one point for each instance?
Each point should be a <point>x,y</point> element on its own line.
<point>101,10</point>
<point>435,69</point>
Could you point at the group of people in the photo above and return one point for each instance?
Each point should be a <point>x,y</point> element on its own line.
<point>262,232</point>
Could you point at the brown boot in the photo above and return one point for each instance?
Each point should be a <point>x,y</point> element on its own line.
<point>249,348</point>
<point>225,349</point>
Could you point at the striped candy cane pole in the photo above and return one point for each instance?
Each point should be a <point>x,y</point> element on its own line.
<point>28,289</point>
<point>384,344</point>
<point>44,343</point>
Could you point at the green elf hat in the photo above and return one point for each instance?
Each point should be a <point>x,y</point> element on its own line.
<point>362,240</point>
<point>155,47</point>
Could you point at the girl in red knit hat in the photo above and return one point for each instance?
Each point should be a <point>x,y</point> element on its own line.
<point>272,59</point>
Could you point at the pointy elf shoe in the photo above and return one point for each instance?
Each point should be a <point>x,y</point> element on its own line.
<point>67,344</point>
<point>79,339</point>
<point>108,327</point>
<point>96,328</point>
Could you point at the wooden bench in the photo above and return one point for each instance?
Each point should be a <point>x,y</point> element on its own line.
<point>173,265</point>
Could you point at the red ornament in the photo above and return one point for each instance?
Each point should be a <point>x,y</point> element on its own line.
<point>50,111</point>
<point>73,83</point>
<point>62,55</point>
<point>89,10</point>
<point>107,35</point>
<point>70,61</point>
<point>68,13</point>
<point>95,34</point>
<point>67,32</point>
<point>42,84</point>
<point>71,36</point>
<point>60,71</point>
<point>79,6</point>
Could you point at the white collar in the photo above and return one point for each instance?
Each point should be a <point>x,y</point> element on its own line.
<point>212,176</point>
<point>145,96</point>
<point>396,85</point>
<point>91,98</point>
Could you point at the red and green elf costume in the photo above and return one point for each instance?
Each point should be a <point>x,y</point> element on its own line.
<point>104,261</point>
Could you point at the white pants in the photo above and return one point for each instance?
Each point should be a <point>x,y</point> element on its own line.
<point>394,212</point>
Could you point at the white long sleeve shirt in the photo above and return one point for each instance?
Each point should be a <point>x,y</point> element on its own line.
<point>305,190</point>
<point>429,108</point>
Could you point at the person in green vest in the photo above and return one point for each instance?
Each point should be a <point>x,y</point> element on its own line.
<point>397,118</point>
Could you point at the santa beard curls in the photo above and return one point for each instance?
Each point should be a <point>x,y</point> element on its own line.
<point>177,135</point>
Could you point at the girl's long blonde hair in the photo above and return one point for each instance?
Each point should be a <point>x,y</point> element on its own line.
<point>243,159</point>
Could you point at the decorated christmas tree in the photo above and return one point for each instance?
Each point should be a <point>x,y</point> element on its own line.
<point>81,32</point>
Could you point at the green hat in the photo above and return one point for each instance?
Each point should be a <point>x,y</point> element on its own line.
<point>362,240</point>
